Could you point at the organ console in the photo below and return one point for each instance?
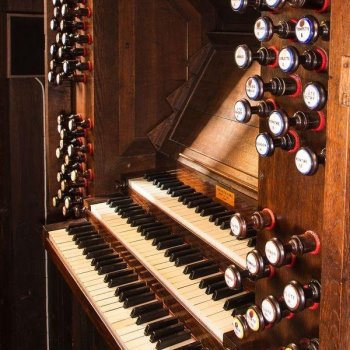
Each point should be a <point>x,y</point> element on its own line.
<point>187,223</point>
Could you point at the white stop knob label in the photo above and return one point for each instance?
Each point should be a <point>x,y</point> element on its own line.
<point>312,96</point>
<point>276,123</point>
<point>235,226</point>
<point>291,297</point>
<point>304,30</point>
<point>230,278</point>
<point>262,145</point>
<point>252,264</point>
<point>261,29</point>
<point>268,311</point>
<point>253,320</point>
<point>286,60</point>
<point>272,252</point>
<point>238,328</point>
<point>240,111</point>
<point>252,88</point>
<point>303,161</point>
<point>241,56</point>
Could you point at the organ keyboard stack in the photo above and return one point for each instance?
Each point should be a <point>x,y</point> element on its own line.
<point>217,189</point>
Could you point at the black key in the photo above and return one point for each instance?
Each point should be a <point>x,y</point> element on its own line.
<point>122,209</point>
<point>116,282</point>
<point>220,220</point>
<point>133,212</point>
<point>204,271</point>
<point>153,176</point>
<point>164,177</point>
<point>179,253</point>
<point>143,309</point>
<point>164,332</point>
<point>215,216</point>
<point>178,193</point>
<point>95,248</point>
<point>138,299</point>
<point>111,267</point>
<point>225,225</point>
<point>151,316</point>
<point>170,243</point>
<point>189,268</point>
<point>77,224</point>
<point>104,257</point>
<point>252,242</point>
<point>87,238</point>
<point>180,248</point>
<point>81,229</point>
<point>160,324</point>
<point>209,211</point>
<point>184,260</point>
<point>140,216</point>
<point>156,227</point>
<point>236,301</point>
<point>138,222</point>
<point>215,286</point>
<point>84,234</point>
<point>160,181</point>
<point>99,253</point>
<point>178,188</point>
<point>108,262</point>
<point>204,283</point>
<point>124,201</point>
<point>173,339</point>
<point>240,310</point>
<point>91,243</point>
<point>200,201</point>
<point>193,346</point>
<point>130,286</point>
<point>166,185</point>
<point>223,293</point>
<point>189,196</point>
<point>163,238</point>
<point>119,273</point>
<point>157,233</point>
<point>131,292</point>
<point>212,204</point>
<point>152,225</point>
<point>115,197</point>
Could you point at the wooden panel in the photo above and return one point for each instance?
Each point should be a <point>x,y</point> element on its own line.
<point>335,303</point>
<point>296,200</point>
<point>36,6</point>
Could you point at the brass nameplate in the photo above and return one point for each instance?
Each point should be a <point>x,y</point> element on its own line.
<point>225,195</point>
<point>344,84</point>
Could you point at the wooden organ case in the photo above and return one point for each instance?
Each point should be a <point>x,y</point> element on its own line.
<point>232,107</point>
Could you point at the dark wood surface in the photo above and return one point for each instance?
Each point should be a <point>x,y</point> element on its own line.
<point>335,303</point>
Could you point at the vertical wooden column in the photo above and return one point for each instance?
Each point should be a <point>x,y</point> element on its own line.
<point>335,303</point>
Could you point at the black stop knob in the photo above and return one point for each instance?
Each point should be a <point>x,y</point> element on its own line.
<point>246,226</point>
<point>289,59</point>
<point>78,158</point>
<point>244,110</point>
<point>274,310</point>
<point>242,5</point>
<point>266,145</point>
<point>69,52</point>
<point>73,3</point>
<point>67,185</point>
<point>85,124</point>
<point>234,277</point>
<point>72,26</point>
<point>258,265</point>
<point>76,175</point>
<point>75,212</point>
<point>307,161</point>
<point>74,78</point>
<point>69,135</point>
<point>280,123</point>
<point>244,57</point>
<point>70,66</point>
<point>264,29</point>
<point>68,12</point>
<point>70,202</point>
<point>256,88</point>
<point>54,24</point>
<point>54,50</point>
<point>255,318</point>
<point>298,297</point>
<point>72,150</point>
<point>70,39</point>
<point>315,96</point>
<point>308,30</point>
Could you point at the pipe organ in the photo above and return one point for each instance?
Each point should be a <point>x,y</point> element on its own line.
<point>199,156</point>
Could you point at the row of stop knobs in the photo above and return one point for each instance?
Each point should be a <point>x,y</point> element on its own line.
<point>296,297</point>
<point>74,175</point>
<point>69,52</point>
